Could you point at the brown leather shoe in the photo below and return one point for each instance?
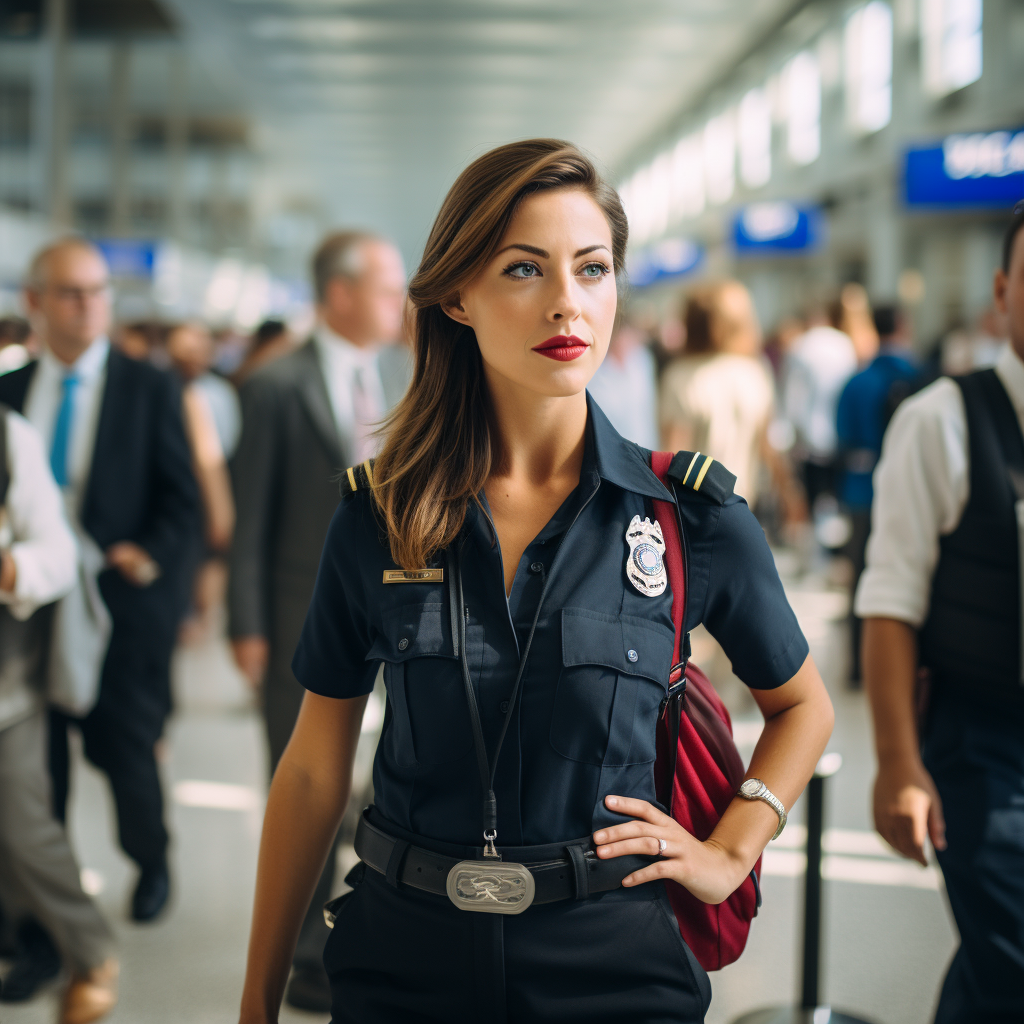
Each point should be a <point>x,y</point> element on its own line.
<point>92,995</point>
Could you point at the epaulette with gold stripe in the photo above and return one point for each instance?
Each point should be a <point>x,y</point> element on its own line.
<point>357,478</point>
<point>702,474</point>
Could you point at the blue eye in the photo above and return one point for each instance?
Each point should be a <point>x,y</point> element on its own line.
<point>594,270</point>
<point>522,271</point>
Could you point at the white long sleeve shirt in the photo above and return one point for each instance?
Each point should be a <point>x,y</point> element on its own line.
<point>922,485</point>
<point>40,541</point>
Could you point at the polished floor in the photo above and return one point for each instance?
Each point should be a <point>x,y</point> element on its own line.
<point>888,934</point>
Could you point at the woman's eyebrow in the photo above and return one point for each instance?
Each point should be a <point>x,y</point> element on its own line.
<point>544,254</point>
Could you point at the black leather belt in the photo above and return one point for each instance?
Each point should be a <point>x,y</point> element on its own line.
<point>576,875</point>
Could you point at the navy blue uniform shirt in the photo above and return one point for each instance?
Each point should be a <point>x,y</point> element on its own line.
<point>584,723</point>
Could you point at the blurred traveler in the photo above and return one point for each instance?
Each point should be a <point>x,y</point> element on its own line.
<point>718,396</point>
<point>213,423</point>
<point>817,368</point>
<point>117,446</point>
<point>865,407</point>
<point>190,350</point>
<point>942,594</point>
<point>856,321</point>
<point>15,338</point>
<point>269,341</point>
<point>39,879</point>
<point>626,388</point>
<point>780,341</point>
<point>305,417</point>
<point>141,339</point>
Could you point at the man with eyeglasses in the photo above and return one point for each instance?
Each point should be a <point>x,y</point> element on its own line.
<point>113,430</point>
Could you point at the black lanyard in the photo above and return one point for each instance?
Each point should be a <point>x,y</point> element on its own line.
<point>485,765</point>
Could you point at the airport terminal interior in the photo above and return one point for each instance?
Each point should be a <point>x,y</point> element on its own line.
<point>838,161</point>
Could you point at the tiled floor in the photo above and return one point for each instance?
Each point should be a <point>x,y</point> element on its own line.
<point>887,932</point>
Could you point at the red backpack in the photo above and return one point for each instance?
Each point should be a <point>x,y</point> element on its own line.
<point>697,763</point>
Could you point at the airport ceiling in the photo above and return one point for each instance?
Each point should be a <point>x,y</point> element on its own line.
<point>371,107</point>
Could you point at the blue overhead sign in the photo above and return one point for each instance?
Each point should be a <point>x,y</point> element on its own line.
<point>983,169</point>
<point>128,257</point>
<point>674,257</point>
<point>775,227</point>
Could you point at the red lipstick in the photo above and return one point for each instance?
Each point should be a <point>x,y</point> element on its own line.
<point>563,347</point>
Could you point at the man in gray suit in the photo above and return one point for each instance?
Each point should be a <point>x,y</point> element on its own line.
<point>306,417</point>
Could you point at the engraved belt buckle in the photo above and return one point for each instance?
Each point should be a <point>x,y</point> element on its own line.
<point>491,886</point>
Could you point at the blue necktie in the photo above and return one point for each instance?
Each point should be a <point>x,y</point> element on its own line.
<point>62,431</point>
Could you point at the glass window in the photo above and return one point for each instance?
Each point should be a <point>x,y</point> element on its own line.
<point>755,138</point>
<point>951,44</point>
<point>802,98</point>
<point>720,157</point>
<point>868,67</point>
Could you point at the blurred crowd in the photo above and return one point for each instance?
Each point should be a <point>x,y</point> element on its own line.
<point>195,468</point>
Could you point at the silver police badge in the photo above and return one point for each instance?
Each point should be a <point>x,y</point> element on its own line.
<point>645,565</point>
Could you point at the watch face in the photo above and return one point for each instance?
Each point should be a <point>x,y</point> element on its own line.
<point>751,787</point>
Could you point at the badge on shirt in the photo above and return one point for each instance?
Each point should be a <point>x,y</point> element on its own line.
<point>414,575</point>
<point>645,565</point>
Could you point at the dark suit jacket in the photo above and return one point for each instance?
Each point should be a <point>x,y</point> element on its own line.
<point>286,471</point>
<point>140,488</point>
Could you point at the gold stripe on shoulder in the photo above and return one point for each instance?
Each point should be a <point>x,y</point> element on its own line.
<point>369,472</point>
<point>352,480</point>
<point>703,472</point>
<point>689,468</point>
<point>414,575</point>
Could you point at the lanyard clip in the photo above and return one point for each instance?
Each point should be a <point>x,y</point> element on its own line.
<point>490,851</point>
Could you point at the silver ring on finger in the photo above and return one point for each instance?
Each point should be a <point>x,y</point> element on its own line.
<point>662,847</point>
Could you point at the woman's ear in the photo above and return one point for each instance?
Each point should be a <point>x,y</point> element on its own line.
<point>453,308</point>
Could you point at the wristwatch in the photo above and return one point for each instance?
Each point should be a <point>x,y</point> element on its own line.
<point>755,789</point>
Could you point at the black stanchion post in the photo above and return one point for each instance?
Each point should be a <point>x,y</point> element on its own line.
<point>812,893</point>
<point>810,1010</point>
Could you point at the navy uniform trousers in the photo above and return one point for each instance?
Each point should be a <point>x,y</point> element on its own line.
<point>976,757</point>
<point>398,955</point>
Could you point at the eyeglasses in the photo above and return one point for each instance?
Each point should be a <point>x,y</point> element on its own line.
<point>69,294</point>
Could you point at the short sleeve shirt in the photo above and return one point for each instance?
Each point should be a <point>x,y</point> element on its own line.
<point>584,724</point>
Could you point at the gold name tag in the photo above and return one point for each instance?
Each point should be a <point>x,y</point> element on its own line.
<point>414,575</point>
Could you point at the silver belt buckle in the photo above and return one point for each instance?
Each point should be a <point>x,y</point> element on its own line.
<point>491,886</point>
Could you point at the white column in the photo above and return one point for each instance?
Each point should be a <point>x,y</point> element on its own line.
<point>120,137</point>
<point>51,118</point>
<point>177,145</point>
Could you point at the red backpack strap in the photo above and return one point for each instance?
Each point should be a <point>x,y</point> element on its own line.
<point>665,513</point>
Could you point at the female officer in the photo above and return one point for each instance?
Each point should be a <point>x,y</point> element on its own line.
<point>483,559</point>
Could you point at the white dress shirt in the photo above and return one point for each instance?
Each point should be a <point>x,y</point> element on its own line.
<point>341,362</point>
<point>34,528</point>
<point>43,403</point>
<point>922,485</point>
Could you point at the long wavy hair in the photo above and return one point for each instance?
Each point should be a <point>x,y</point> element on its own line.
<point>439,447</point>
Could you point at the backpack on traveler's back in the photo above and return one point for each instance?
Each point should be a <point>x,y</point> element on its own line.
<point>698,766</point>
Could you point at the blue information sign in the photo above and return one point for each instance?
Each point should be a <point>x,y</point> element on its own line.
<point>129,257</point>
<point>983,169</point>
<point>776,227</point>
<point>674,257</point>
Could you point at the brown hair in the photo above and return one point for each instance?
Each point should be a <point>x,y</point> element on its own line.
<point>711,325</point>
<point>439,449</point>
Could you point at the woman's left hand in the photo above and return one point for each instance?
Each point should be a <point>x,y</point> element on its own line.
<point>706,869</point>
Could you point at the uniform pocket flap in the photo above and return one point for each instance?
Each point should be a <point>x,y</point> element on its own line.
<point>418,630</point>
<point>629,645</point>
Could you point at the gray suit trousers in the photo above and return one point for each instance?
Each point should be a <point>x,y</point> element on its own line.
<point>38,872</point>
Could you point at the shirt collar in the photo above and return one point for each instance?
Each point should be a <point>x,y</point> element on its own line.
<point>341,349</point>
<point>87,367</point>
<point>1010,368</point>
<point>619,461</point>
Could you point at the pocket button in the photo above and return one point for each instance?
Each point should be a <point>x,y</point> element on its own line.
<point>403,644</point>
<point>632,655</point>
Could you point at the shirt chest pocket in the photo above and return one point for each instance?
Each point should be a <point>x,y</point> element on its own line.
<point>430,721</point>
<point>614,675</point>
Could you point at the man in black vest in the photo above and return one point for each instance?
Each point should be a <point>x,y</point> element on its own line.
<point>113,430</point>
<point>941,600</point>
